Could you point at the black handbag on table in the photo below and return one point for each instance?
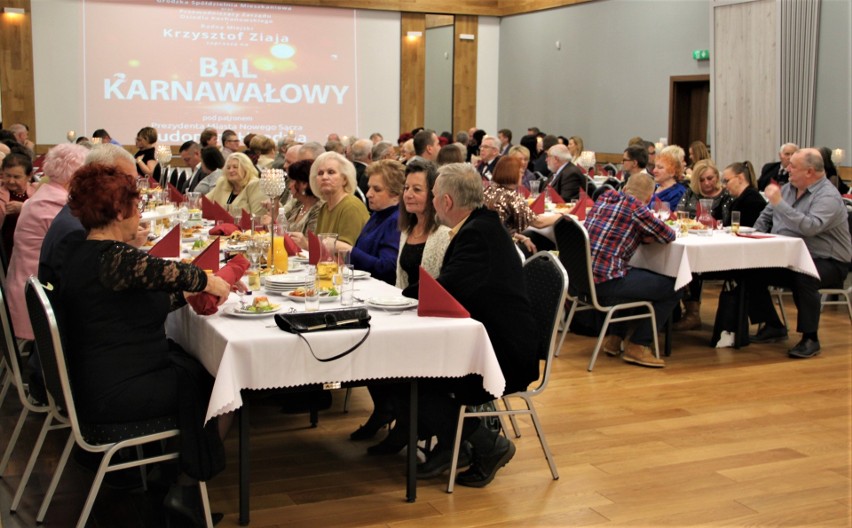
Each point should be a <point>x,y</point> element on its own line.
<point>346,319</point>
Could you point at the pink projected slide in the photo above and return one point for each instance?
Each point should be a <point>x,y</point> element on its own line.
<point>183,65</point>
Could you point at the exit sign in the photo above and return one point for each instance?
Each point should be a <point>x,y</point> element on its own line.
<point>701,55</point>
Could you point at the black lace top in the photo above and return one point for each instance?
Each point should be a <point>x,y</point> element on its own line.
<point>113,306</point>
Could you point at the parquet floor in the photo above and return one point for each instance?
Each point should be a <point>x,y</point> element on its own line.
<point>718,438</point>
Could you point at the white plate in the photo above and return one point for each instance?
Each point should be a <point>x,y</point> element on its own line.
<point>285,279</point>
<point>193,252</point>
<point>743,230</point>
<point>322,298</point>
<point>234,311</point>
<point>360,274</point>
<point>391,303</point>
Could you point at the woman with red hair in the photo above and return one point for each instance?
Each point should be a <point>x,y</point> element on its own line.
<point>515,214</point>
<point>113,305</point>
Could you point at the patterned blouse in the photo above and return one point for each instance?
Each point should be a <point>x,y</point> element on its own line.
<point>124,267</point>
<point>512,208</point>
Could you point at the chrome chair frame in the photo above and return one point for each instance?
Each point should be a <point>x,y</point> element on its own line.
<point>13,376</point>
<point>550,330</point>
<point>572,240</point>
<point>63,412</point>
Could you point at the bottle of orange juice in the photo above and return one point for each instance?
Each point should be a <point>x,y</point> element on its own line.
<point>278,256</point>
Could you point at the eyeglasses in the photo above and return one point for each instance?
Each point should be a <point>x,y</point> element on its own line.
<point>625,160</point>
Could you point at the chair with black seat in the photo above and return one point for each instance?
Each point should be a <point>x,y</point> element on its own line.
<point>106,439</point>
<point>600,190</point>
<point>181,181</point>
<point>572,241</point>
<point>14,377</point>
<point>545,280</point>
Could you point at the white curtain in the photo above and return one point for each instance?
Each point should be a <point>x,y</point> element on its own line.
<point>798,46</point>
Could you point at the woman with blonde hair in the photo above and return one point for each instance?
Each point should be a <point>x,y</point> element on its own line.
<point>697,152</point>
<point>705,185</point>
<point>333,181</point>
<point>239,186</point>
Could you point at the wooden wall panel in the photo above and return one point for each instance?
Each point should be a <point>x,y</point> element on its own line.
<point>412,71</point>
<point>452,7</point>
<point>17,90</point>
<point>464,73</point>
<point>744,81</point>
<point>517,7</point>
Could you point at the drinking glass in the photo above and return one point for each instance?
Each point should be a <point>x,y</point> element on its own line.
<point>664,211</point>
<point>311,290</point>
<point>535,185</point>
<point>236,212</point>
<point>683,222</point>
<point>735,222</point>
<point>253,251</point>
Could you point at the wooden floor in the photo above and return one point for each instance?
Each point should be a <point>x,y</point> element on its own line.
<point>718,438</point>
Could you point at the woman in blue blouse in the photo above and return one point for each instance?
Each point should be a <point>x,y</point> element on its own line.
<point>668,170</point>
<point>377,246</point>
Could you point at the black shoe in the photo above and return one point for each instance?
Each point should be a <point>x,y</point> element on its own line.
<point>441,459</point>
<point>769,334</point>
<point>482,472</point>
<point>392,444</point>
<point>807,348</point>
<point>186,502</point>
<point>369,429</point>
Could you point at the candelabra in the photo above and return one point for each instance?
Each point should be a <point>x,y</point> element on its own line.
<point>272,183</point>
<point>163,153</point>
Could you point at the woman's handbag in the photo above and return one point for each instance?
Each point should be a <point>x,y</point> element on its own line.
<point>303,323</point>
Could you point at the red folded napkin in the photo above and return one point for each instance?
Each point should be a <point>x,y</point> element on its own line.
<point>524,191</point>
<point>210,210</point>
<point>555,197</point>
<point>223,229</point>
<point>744,235</point>
<point>314,250</point>
<point>245,221</point>
<point>538,204</point>
<point>847,196</point>
<point>207,304</point>
<point>168,246</point>
<point>209,258</point>
<point>579,210</point>
<point>435,301</point>
<point>292,248</point>
<point>175,195</point>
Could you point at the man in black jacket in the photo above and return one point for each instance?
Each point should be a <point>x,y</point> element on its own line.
<point>777,171</point>
<point>481,270</point>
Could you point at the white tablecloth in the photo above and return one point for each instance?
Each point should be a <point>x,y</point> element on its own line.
<point>723,252</point>
<point>255,354</point>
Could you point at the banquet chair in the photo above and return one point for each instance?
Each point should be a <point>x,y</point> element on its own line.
<point>545,281</point>
<point>13,376</point>
<point>572,241</point>
<point>106,439</point>
<point>844,298</point>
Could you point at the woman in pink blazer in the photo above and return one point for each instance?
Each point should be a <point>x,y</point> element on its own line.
<point>61,163</point>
